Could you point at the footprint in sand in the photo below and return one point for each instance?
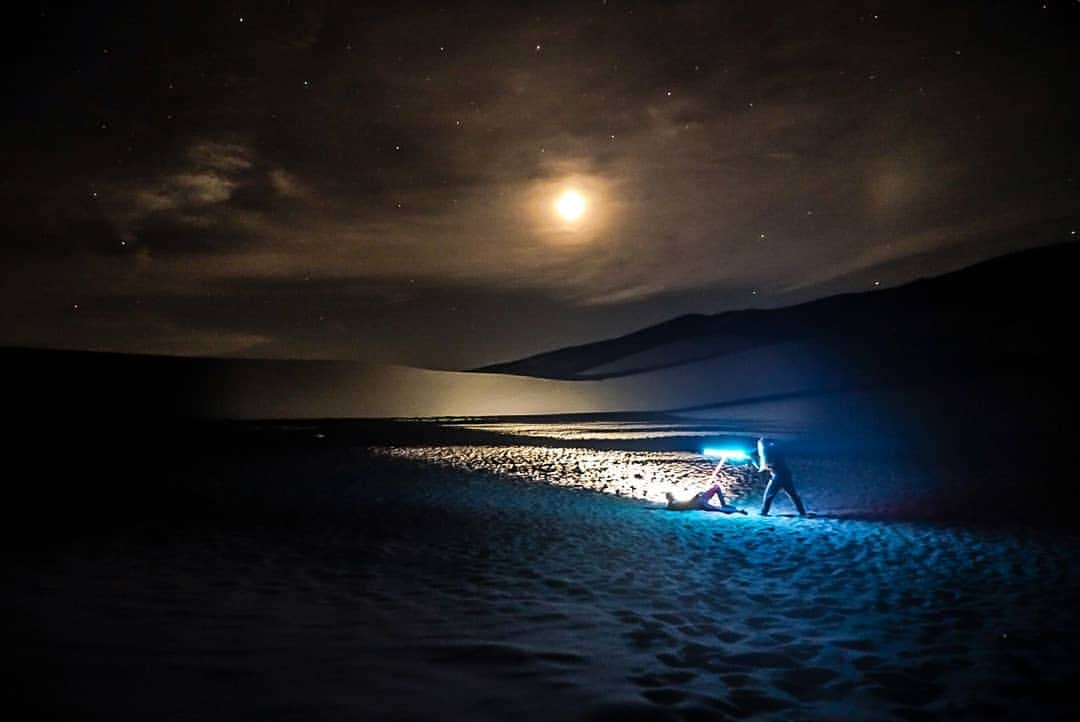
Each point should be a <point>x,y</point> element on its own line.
<point>867,662</point>
<point>902,688</point>
<point>803,652</point>
<point>691,655</point>
<point>781,637</point>
<point>729,637</point>
<point>806,683</point>
<point>809,612</point>
<point>750,703</point>
<point>859,645</point>
<point>649,637</point>
<point>661,679</point>
<point>738,680</point>
<point>562,659</point>
<point>760,660</point>
<point>665,696</point>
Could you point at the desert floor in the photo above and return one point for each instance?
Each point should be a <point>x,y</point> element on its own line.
<point>301,575</point>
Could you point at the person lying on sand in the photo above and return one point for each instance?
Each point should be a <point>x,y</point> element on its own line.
<point>700,502</point>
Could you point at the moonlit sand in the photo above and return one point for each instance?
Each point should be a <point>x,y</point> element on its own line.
<point>436,572</point>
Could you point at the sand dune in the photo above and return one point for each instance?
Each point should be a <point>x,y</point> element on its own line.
<point>89,384</point>
<point>312,578</point>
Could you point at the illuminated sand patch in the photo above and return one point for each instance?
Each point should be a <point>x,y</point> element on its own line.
<point>838,485</point>
<point>645,475</point>
<point>599,430</point>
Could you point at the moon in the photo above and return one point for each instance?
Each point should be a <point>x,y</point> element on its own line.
<point>570,205</point>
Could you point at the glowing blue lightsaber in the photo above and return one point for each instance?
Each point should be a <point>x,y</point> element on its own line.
<point>726,454</point>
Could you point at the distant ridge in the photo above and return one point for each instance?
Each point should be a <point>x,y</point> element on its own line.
<point>991,341</point>
<point>1013,298</point>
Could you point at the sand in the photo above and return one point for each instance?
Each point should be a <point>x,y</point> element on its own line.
<point>449,581</point>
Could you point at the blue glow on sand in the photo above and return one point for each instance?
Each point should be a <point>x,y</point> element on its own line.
<point>727,454</point>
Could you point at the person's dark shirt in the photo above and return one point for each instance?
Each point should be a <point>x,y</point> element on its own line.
<point>777,461</point>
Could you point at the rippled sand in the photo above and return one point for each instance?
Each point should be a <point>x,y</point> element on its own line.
<point>494,582</point>
<point>642,475</point>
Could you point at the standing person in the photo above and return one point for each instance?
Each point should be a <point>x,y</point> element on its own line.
<point>771,457</point>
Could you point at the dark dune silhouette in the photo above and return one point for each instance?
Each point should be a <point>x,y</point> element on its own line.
<point>989,317</point>
<point>972,362</point>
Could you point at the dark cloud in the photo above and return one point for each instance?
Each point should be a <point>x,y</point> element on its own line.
<point>210,177</point>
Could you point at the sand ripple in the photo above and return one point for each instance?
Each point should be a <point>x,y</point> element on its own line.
<point>482,583</point>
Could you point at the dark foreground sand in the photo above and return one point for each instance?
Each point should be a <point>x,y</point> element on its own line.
<point>434,581</point>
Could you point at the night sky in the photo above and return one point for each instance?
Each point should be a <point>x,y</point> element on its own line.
<point>323,180</point>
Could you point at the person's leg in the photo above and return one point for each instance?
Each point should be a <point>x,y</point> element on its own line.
<point>700,500</point>
<point>770,494</point>
<point>795,498</point>
<point>712,491</point>
<point>725,509</point>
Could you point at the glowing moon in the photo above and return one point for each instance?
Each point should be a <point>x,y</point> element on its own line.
<point>570,205</point>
